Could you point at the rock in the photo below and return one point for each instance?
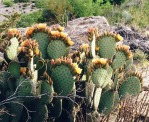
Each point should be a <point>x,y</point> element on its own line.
<point>134,39</point>
<point>77,28</point>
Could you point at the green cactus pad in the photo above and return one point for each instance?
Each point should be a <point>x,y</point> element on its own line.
<point>39,65</point>
<point>99,76</point>
<point>25,87</point>
<point>4,76</point>
<point>14,69</point>
<point>131,86</point>
<point>15,108</point>
<point>119,60</point>
<point>109,100</point>
<point>57,49</point>
<point>106,47</point>
<point>108,77</point>
<point>55,108</point>
<point>12,50</point>
<point>4,117</point>
<point>41,114</point>
<point>63,81</point>
<point>47,89</point>
<point>43,40</point>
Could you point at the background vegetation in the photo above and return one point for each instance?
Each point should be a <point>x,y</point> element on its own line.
<point>131,12</point>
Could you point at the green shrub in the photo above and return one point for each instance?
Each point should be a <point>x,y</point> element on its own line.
<point>21,1</point>
<point>83,7</point>
<point>8,3</point>
<point>41,3</point>
<point>103,9</point>
<point>29,19</point>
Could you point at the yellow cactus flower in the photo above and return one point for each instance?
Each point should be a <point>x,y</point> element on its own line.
<point>36,51</point>
<point>119,38</point>
<point>42,25</point>
<point>76,68</point>
<point>130,55</point>
<point>97,48</point>
<point>102,61</point>
<point>60,28</point>
<point>85,46</point>
<point>29,31</point>
<point>63,35</point>
<point>126,47</point>
<point>69,41</point>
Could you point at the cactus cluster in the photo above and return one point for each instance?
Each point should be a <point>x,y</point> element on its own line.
<point>38,73</point>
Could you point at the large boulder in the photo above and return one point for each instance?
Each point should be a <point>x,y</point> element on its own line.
<point>77,28</point>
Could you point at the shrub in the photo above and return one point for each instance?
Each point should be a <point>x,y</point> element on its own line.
<point>21,1</point>
<point>41,3</point>
<point>8,3</point>
<point>29,19</point>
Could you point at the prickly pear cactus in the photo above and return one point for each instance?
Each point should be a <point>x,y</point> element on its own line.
<point>122,55</point>
<point>40,33</point>
<point>25,86</point>
<point>107,42</point>
<point>59,44</point>
<point>109,100</point>
<point>14,69</point>
<point>40,72</point>
<point>62,75</point>
<point>11,50</point>
<point>47,89</point>
<point>131,86</point>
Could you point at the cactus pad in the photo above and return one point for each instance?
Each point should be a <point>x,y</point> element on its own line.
<point>11,51</point>
<point>3,81</point>
<point>47,89</point>
<point>55,108</point>
<point>109,100</point>
<point>14,69</point>
<point>25,87</point>
<point>120,59</point>
<point>43,40</point>
<point>131,86</point>
<point>57,49</point>
<point>63,81</point>
<point>99,76</point>
<point>106,47</point>
<point>41,114</point>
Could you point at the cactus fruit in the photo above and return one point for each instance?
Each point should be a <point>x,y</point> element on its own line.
<point>14,69</point>
<point>109,100</point>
